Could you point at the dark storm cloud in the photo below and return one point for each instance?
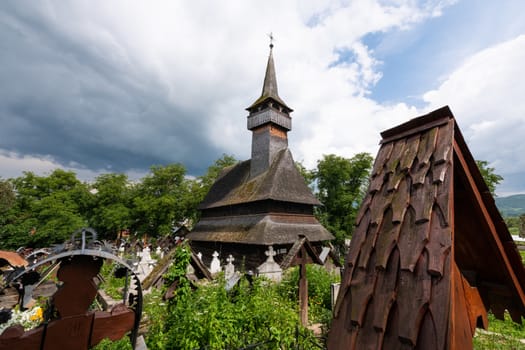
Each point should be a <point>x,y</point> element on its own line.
<point>78,102</point>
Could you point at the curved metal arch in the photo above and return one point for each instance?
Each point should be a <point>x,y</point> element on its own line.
<point>136,303</point>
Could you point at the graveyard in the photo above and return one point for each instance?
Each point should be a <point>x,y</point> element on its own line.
<point>430,261</point>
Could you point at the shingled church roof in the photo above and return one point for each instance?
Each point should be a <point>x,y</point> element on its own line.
<point>281,182</point>
<point>430,253</point>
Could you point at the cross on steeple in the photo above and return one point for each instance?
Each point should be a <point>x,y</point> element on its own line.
<point>271,39</point>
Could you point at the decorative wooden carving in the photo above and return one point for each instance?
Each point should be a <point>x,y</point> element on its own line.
<point>76,327</point>
<point>403,287</point>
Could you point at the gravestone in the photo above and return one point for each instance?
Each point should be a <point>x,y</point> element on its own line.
<point>215,265</point>
<point>270,269</point>
<point>229,269</point>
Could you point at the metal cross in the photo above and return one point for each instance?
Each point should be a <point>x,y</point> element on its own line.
<point>271,39</point>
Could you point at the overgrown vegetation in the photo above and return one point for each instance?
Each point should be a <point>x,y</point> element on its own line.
<point>502,334</point>
<point>255,313</point>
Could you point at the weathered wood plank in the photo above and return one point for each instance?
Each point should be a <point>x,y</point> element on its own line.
<point>391,339</point>
<point>112,325</point>
<point>385,292</point>
<point>444,144</point>
<point>419,174</point>
<point>380,202</point>
<point>70,332</point>
<point>376,182</point>
<point>427,144</point>
<point>460,333</point>
<point>439,171</point>
<point>382,157</point>
<point>360,234</point>
<point>439,244</point>
<point>401,200</point>
<point>422,199</point>
<point>386,240</point>
<point>395,157</point>
<point>412,240</point>
<point>14,338</point>
<point>476,309</point>
<point>368,336</point>
<point>339,336</point>
<point>303,293</point>
<point>394,180</point>
<point>439,303</point>
<point>362,287</point>
<point>411,150</point>
<point>414,290</point>
<point>368,246</point>
<point>427,337</point>
<point>363,209</point>
<point>443,192</point>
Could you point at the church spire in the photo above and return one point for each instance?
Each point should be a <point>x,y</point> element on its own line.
<point>269,90</point>
<point>269,120</point>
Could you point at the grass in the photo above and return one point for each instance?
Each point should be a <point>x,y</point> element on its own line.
<point>522,253</point>
<point>502,334</point>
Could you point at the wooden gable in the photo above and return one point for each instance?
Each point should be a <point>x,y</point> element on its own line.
<point>302,252</point>
<point>430,253</point>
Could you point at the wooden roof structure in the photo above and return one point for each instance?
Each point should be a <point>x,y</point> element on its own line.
<point>262,201</point>
<point>252,207</point>
<point>430,254</point>
<point>281,182</point>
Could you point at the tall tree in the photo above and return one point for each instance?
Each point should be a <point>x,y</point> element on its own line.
<point>162,200</point>
<point>7,196</point>
<point>491,178</point>
<point>112,205</point>
<point>341,184</point>
<point>47,210</point>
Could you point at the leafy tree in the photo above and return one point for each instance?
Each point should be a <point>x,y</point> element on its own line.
<point>112,205</point>
<point>522,225</point>
<point>341,184</point>
<point>47,209</point>
<point>7,196</point>
<point>308,175</point>
<point>491,178</point>
<point>162,200</point>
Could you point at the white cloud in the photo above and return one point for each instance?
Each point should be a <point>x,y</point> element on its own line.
<point>485,94</point>
<point>168,81</point>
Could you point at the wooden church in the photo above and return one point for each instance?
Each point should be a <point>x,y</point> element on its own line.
<point>430,255</point>
<point>262,202</point>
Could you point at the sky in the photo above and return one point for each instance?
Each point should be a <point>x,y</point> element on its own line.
<point>118,86</point>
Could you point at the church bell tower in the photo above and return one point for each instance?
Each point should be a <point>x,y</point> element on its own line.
<point>269,120</point>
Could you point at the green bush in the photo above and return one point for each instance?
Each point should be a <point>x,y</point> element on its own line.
<point>502,334</point>
<point>319,295</point>
<point>112,285</point>
<point>209,317</point>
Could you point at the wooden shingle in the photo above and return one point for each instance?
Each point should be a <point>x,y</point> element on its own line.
<point>430,254</point>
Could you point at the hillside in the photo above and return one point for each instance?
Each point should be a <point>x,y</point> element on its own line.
<point>511,205</point>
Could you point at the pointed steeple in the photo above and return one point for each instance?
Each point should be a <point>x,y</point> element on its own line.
<point>269,90</point>
<point>270,121</point>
